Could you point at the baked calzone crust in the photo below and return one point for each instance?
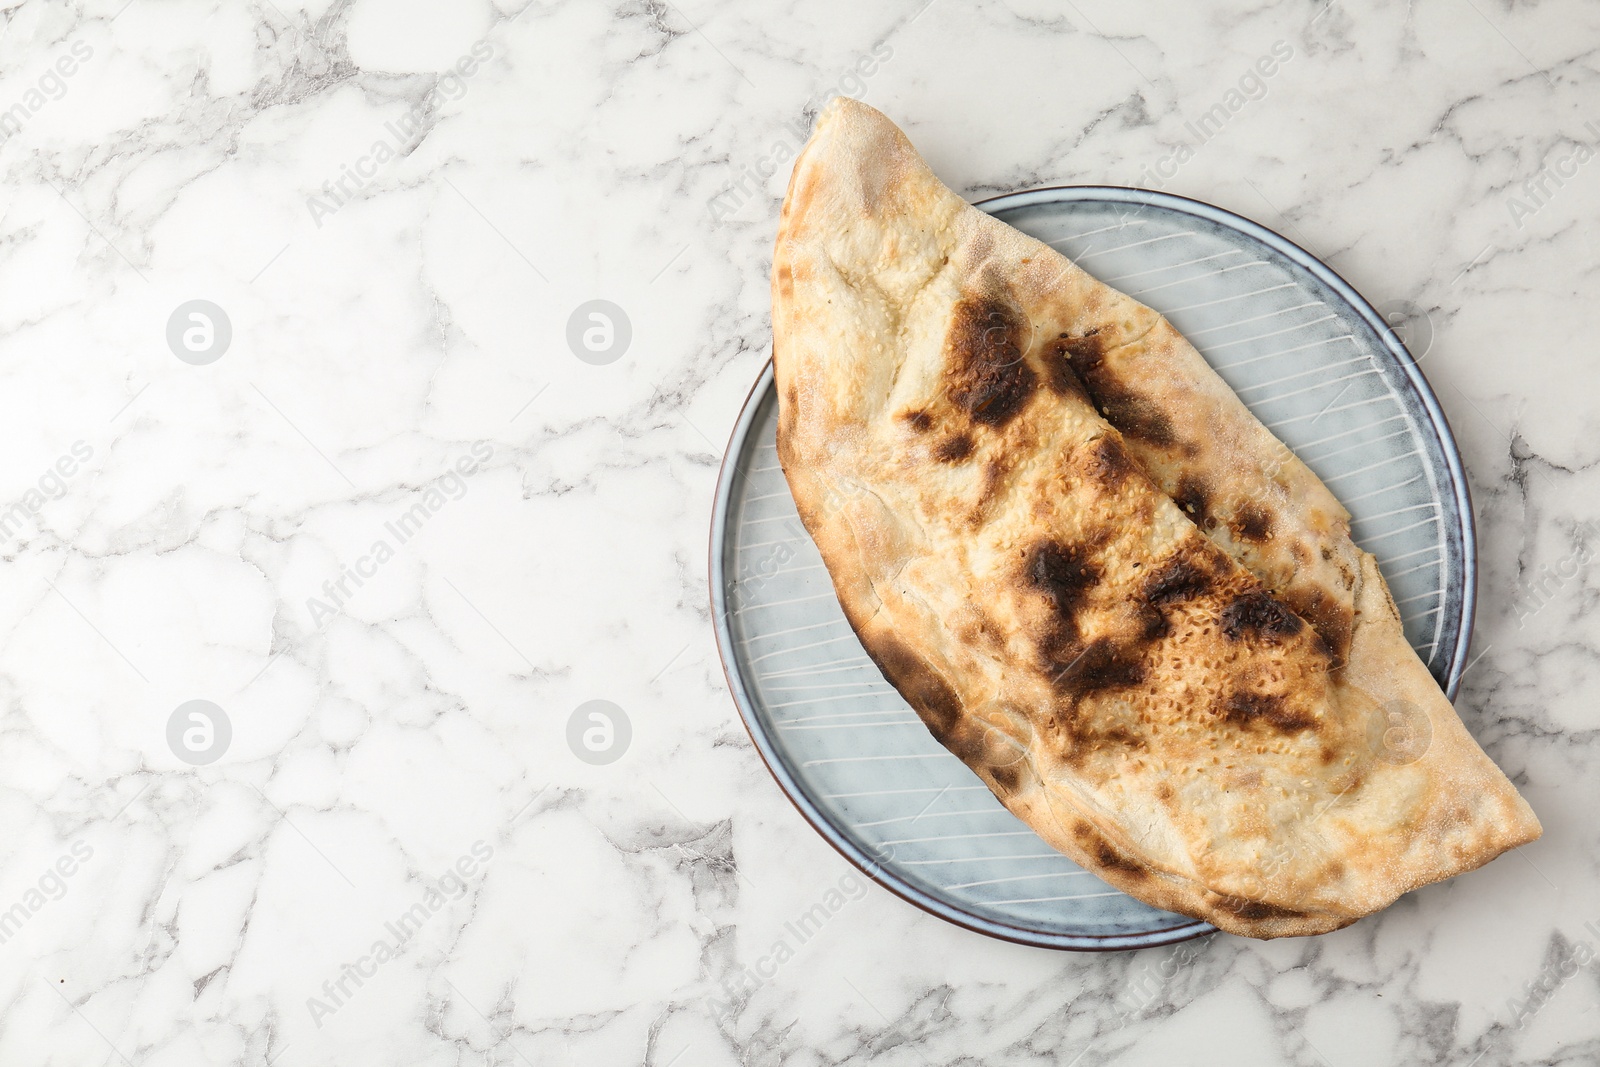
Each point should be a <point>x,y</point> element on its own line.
<point>1097,578</point>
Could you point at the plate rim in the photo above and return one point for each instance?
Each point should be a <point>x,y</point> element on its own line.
<point>728,470</point>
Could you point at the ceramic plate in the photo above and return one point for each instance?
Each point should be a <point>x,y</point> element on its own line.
<point>1309,357</point>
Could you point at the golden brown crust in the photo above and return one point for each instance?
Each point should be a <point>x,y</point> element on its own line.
<point>1145,693</point>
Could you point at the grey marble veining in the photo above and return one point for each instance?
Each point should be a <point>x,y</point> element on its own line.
<point>400,535</point>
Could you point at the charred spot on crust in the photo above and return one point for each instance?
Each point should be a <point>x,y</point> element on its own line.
<point>934,700</point>
<point>1250,910</point>
<point>1254,523</point>
<point>920,421</point>
<point>1194,497</point>
<point>955,449</point>
<point>1108,858</point>
<point>1153,624</point>
<point>1063,573</point>
<point>1135,416</point>
<point>1059,650</point>
<point>988,377</point>
<point>1331,620</point>
<point>1006,775</point>
<point>1267,709</point>
<point>1184,577</point>
<point>1127,410</point>
<point>1086,354</point>
<point>1259,614</point>
<point>1109,462</point>
<point>1065,576</point>
<point>1103,664</point>
<point>1059,375</point>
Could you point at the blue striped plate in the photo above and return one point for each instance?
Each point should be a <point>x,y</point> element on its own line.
<point>1309,357</point>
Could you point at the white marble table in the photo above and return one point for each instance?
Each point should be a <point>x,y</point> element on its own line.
<point>373,507</point>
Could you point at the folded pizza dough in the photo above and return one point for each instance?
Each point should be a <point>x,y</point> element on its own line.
<point>1097,578</point>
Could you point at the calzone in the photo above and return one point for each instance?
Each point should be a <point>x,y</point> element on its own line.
<point>1099,581</point>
